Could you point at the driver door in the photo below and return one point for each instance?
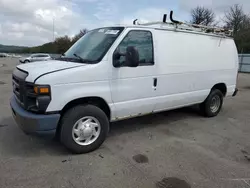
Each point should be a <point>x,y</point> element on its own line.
<point>133,88</point>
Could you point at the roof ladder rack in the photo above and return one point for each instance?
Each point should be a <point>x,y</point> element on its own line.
<point>187,26</point>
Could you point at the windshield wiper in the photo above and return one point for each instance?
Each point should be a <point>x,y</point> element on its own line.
<point>79,57</point>
<point>83,60</point>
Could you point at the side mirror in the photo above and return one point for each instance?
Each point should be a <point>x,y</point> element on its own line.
<point>116,58</point>
<point>132,57</point>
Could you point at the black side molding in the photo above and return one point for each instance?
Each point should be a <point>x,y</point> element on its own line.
<point>235,92</point>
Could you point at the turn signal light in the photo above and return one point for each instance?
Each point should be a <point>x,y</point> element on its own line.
<point>41,89</point>
<point>44,90</point>
<point>36,89</point>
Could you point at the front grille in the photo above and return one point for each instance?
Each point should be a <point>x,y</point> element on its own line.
<point>17,89</point>
<point>30,97</point>
<point>24,91</point>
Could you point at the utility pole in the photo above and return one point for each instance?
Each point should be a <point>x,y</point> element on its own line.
<point>53,29</point>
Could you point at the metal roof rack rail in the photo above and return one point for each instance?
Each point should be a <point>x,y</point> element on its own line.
<point>189,27</point>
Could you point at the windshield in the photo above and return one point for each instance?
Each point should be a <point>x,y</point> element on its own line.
<point>94,44</point>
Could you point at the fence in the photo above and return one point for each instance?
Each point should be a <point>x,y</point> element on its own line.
<point>244,63</point>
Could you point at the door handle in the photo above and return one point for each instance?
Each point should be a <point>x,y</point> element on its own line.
<point>155,82</point>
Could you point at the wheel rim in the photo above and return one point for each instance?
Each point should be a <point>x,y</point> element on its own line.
<point>215,104</point>
<point>86,130</point>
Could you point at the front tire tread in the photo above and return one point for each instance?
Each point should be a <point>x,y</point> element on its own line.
<point>72,116</point>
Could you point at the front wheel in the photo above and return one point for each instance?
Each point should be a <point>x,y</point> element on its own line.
<point>213,104</point>
<point>84,128</point>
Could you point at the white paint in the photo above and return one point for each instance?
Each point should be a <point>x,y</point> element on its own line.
<point>112,32</point>
<point>101,30</point>
<point>187,65</point>
<point>36,69</point>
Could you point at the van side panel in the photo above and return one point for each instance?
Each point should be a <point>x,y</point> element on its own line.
<point>189,65</point>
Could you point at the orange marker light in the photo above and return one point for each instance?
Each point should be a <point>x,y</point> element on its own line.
<point>44,90</point>
<point>36,89</point>
<point>41,90</point>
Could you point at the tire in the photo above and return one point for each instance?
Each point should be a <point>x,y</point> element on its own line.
<point>69,122</point>
<point>26,61</point>
<point>209,107</point>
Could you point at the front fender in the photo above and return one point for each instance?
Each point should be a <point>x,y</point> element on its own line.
<point>64,93</point>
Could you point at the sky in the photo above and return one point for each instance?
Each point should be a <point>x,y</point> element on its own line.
<point>30,22</point>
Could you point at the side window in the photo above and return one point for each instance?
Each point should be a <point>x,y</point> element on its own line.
<point>143,42</point>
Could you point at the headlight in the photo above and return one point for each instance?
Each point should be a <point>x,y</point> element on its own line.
<point>43,97</point>
<point>42,102</point>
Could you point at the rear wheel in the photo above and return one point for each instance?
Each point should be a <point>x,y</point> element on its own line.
<point>26,61</point>
<point>212,105</point>
<point>84,128</point>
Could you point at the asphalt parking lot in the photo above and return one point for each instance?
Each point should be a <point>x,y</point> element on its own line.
<point>177,149</point>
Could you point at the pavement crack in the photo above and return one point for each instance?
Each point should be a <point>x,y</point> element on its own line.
<point>147,176</point>
<point>2,83</point>
<point>246,155</point>
<point>246,183</point>
<point>71,184</point>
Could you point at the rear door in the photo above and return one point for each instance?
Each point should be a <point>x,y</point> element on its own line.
<point>45,57</point>
<point>34,58</point>
<point>41,57</point>
<point>133,88</point>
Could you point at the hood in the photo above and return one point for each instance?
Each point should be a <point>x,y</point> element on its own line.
<point>37,69</point>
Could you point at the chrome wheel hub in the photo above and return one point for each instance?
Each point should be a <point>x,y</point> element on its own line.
<point>86,130</point>
<point>215,104</point>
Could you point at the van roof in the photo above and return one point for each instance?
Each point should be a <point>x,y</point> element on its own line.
<point>183,27</point>
<point>176,25</point>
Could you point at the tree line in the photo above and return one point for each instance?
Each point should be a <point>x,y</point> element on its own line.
<point>234,18</point>
<point>59,46</point>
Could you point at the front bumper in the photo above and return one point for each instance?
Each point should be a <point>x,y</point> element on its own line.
<point>34,123</point>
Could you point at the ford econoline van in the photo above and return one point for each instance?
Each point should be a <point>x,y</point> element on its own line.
<point>120,72</point>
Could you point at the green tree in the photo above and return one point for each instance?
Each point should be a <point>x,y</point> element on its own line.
<point>62,44</point>
<point>79,35</point>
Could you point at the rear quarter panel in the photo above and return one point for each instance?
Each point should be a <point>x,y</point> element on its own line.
<point>189,65</point>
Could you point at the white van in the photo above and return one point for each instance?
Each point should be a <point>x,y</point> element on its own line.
<point>114,73</point>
